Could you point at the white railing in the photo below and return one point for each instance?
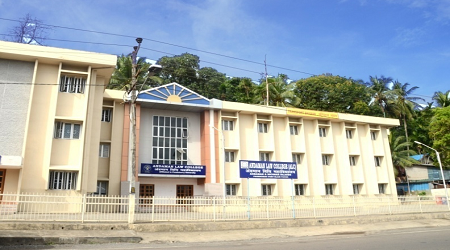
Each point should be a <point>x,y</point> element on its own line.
<point>86,208</point>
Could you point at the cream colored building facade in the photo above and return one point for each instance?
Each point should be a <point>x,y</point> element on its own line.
<point>50,118</point>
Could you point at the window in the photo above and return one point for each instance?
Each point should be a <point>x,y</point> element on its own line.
<point>352,160</point>
<point>264,156</point>
<point>227,125</point>
<point>106,115</point>
<point>293,130</point>
<point>102,188</point>
<point>356,188</point>
<point>322,132</point>
<point>231,189</point>
<point>299,189</point>
<point>170,137</point>
<point>377,161</point>
<point>297,158</point>
<point>62,180</point>
<point>65,130</point>
<point>326,159</point>
<point>262,127</point>
<point>266,189</point>
<point>349,133</point>
<point>72,84</point>
<point>381,188</point>
<point>146,192</point>
<point>104,150</point>
<point>229,156</point>
<point>373,135</point>
<point>329,189</point>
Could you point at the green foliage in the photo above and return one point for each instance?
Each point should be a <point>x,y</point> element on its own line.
<point>440,133</point>
<point>181,69</point>
<point>400,152</point>
<point>442,99</point>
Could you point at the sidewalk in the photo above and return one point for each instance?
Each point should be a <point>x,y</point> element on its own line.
<point>21,233</point>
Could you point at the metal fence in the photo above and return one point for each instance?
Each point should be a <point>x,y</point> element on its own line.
<point>87,208</point>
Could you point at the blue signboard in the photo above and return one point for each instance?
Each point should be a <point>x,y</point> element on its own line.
<point>268,169</point>
<point>173,170</point>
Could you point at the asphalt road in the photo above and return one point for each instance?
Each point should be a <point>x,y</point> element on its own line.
<point>433,238</point>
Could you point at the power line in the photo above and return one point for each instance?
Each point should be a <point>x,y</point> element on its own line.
<point>166,43</point>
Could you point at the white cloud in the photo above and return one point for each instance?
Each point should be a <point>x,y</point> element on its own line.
<point>409,37</point>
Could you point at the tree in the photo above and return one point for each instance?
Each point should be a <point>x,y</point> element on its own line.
<point>440,133</point>
<point>181,69</point>
<point>208,82</point>
<point>121,77</point>
<point>400,152</point>
<point>382,95</point>
<point>30,30</point>
<point>281,93</point>
<point>442,99</point>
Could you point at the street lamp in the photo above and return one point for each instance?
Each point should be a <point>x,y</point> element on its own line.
<point>442,171</point>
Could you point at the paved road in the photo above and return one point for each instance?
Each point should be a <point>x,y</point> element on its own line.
<point>434,238</point>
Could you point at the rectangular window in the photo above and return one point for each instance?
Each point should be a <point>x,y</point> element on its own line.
<point>356,188</point>
<point>262,127</point>
<point>299,189</point>
<point>62,180</point>
<point>266,189</point>
<point>102,188</point>
<point>322,132</point>
<point>352,160</point>
<point>104,150</point>
<point>264,156</point>
<point>377,161</point>
<point>231,189</point>
<point>227,125</point>
<point>106,115</point>
<point>381,188</point>
<point>72,84</point>
<point>326,160</point>
<point>293,130</point>
<point>169,140</point>
<point>349,133</point>
<point>297,158</point>
<point>146,192</point>
<point>373,135</point>
<point>229,156</point>
<point>65,130</point>
<point>329,189</point>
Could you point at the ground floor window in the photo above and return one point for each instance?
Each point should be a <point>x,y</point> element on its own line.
<point>102,188</point>
<point>231,189</point>
<point>381,188</point>
<point>2,180</point>
<point>357,188</point>
<point>146,192</point>
<point>300,189</point>
<point>184,194</point>
<point>329,189</point>
<point>266,189</point>
<point>62,180</point>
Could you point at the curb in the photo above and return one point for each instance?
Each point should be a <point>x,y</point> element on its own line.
<point>46,240</point>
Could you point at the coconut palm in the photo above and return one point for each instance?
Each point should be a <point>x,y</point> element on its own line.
<point>400,154</point>
<point>281,93</point>
<point>382,94</point>
<point>442,99</point>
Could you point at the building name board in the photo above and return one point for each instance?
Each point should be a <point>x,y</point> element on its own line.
<point>173,170</point>
<point>311,113</point>
<point>267,169</point>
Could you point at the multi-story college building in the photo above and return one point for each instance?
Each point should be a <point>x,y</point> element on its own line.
<point>65,132</point>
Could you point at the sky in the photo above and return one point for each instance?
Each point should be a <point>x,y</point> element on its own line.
<point>408,40</point>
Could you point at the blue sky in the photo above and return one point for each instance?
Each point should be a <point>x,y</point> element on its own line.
<point>408,40</point>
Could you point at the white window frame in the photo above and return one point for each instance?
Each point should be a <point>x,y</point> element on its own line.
<point>169,140</point>
<point>322,132</point>
<point>72,84</point>
<point>382,188</point>
<point>228,125</point>
<point>293,129</point>
<point>264,156</point>
<point>297,158</point>
<point>266,189</point>
<point>104,150</point>
<point>349,133</point>
<point>106,115</point>
<point>378,161</point>
<point>373,135</point>
<point>353,160</point>
<point>230,156</point>
<point>231,189</point>
<point>263,127</point>
<point>326,160</point>
<point>61,128</point>
<point>62,180</point>
<point>102,188</point>
<point>300,189</point>
<point>329,189</point>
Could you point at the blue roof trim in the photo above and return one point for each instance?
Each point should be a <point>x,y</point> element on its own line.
<point>161,93</point>
<point>198,101</point>
<point>417,157</point>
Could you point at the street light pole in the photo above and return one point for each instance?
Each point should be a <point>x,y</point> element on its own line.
<point>442,171</point>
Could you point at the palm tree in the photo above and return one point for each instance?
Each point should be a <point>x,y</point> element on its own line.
<point>442,99</point>
<point>382,94</point>
<point>281,93</point>
<point>401,156</point>
<point>121,77</point>
<point>405,103</point>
